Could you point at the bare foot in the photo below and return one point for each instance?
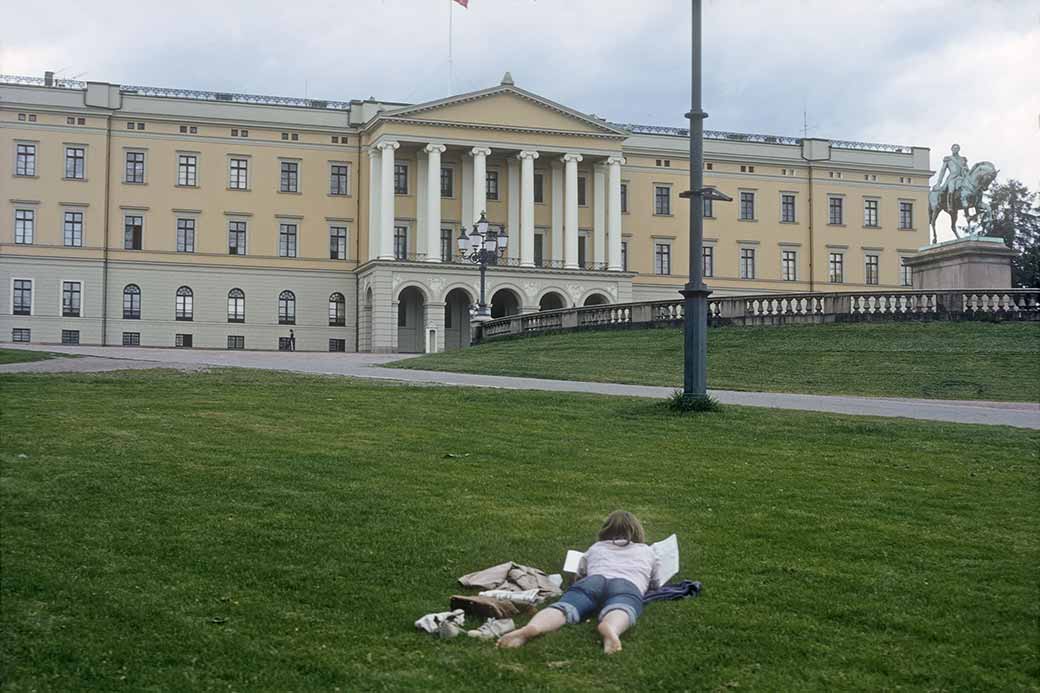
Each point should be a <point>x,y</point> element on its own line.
<point>611,641</point>
<point>515,639</point>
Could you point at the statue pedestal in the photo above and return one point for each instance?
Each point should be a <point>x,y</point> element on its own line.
<point>975,262</point>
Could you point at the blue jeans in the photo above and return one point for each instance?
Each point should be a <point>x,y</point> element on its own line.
<point>605,594</point>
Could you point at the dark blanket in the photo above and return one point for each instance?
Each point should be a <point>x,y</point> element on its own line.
<point>686,588</point>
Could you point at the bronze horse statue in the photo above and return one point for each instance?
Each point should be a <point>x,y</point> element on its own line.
<point>968,196</point>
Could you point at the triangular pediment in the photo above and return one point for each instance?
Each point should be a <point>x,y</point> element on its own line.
<point>505,106</point>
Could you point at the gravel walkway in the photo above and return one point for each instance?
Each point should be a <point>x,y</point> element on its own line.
<point>94,359</point>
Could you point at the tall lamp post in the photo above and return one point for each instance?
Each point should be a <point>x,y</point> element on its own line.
<point>695,293</point>
<point>484,245</point>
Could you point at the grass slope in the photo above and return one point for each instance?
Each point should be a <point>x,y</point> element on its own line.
<point>940,360</point>
<point>20,356</point>
<point>239,530</point>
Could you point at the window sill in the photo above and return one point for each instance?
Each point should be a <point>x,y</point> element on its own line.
<point>183,319</point>
<point>840,226</point>
<point>872,226</point>
<point>289,192</point>
<point>905,229</point>
<point>237,322</point>
<point>22,175</point>
<point>75,180</point>
<point>664,215</point>
<point>184,185</point>
<point>790,223</point>
<point>751,221</point>
<point>134,182</point>
<point>239,189</point>
<point>338,195</point>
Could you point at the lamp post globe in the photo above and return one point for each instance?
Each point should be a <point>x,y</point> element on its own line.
<point>483,246</point>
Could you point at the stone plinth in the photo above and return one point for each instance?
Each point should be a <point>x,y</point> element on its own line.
<point>981,262</point>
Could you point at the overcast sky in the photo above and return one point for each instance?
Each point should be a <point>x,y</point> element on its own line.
<point>918,72</point>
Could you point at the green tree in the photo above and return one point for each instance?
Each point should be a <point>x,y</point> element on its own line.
<point>1016,219</point>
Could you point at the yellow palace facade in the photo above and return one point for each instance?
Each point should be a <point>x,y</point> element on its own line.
<point>165,217</point>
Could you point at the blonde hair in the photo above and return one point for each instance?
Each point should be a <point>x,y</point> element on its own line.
<point>622,525</point>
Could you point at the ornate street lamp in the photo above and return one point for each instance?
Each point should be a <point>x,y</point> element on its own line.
<point>484,245</point>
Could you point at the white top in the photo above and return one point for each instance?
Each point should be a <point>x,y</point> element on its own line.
<point>636,563</point>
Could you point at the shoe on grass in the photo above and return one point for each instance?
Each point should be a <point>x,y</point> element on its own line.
<point>447,630</point>
<point>493,628</point>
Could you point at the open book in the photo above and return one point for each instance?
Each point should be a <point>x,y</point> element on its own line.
<point>666,550</point>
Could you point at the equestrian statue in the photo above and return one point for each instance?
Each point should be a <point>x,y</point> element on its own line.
<point>959,188</point>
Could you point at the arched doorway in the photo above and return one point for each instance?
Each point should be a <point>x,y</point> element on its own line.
<point>411,321</point>
<point>504,303</point>
<point>551,301</point>
<point>456,319</point>
<point>596,300</point>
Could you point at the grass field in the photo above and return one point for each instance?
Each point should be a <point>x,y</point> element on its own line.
<point>248,531</point>
<point>20,356</point>
<point>939,360</point>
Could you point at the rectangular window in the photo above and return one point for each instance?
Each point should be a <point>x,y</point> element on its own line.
<point>447,245</point>
<point>624,256</point>
<point>134,167</point>
<point>187,170</point>
<point>25,160</point>
<point>789,265</point>
<point>73,229</point>
<point>71,293</point>
<point>539,249</point>
<point>21,334</point>
<point>131,339</point>
<point>400,179</point>
<point>708,261</point>
<point>624,198</point>
<point>836,216</point>
<point>870,212</point>
<point>338,180</point>
<point>582,199</point>
<point>236,342</point>
<point>185,235</point>
<point>70,337</point>
<point>401,242</point>
<point>75,163</point>
<point>290,181</point>
<point>662,200</point>
<point>447,182</point>
<point>708,208</point>
<point>287,240</point>
<point>337,345</point>
<point>906,215</point>
<point>787,208</point>
<point>837,268</point>
<point>747,263</point>
<point>906,272</point>
<point>662,258</point>
<point>184,341</point>
<point>22,303</point>
<point>872,269</point>
<point>747,206</point>
<point>24,226</point>
<point>492,185</point>
<point>236,238</point>
<point>337,242</point>
<point>539,188</point>
<point>583,242</point>
<point>133,229</point>
<point>238,174</point>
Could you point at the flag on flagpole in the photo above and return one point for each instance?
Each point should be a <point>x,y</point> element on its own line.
<point>464,3</point>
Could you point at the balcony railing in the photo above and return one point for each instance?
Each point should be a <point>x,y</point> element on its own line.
<point>507,262</point>
<point>780,309</point>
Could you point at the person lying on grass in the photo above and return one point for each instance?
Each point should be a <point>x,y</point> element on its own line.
<point>614,575</point>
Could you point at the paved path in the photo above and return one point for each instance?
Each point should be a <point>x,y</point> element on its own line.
<point>1017,414</point>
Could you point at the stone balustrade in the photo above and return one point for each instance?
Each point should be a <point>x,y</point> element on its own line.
<point>784,309</point>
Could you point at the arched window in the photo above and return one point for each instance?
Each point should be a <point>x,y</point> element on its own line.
<point>337,310</point>
<point>236,306</point>
<point>287,308</point>
<point>131,302</point>
<point>185,309</point>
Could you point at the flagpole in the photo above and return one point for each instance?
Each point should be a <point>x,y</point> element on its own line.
<point>451,64</point>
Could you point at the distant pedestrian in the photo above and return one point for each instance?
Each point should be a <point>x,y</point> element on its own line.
<point>292,341</point>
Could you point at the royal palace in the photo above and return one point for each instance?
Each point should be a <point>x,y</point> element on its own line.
<point>165,217</point>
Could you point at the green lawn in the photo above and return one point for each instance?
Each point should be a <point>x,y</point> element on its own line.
<point>939,360</point>
<point>249,531</point>
<point>20,356</point>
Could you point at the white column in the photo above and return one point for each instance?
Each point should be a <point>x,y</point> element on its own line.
<point>467,193</point>
<point>433,202</point>
<point>570,211</point>
<point>420,203</point>
<point>557,213</point>
<point>599,215</point>
<point>374,202</point>
<point>614,213</point>
<point>386,205</point>
<point>480,155</point>
<point>527,208</point>
<point>513,209</point>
